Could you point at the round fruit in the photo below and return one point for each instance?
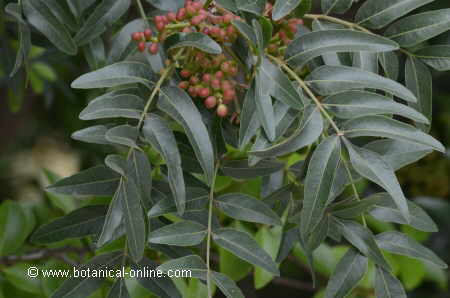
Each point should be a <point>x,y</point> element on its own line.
<point>210,102</point>
<point>142,46</point>
<point>153,49</point>
<point>222,111</point>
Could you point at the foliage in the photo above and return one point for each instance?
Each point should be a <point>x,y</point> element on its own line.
<point>199,101</point>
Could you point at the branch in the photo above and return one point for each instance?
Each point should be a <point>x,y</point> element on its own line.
<point>59,253</point>
<point>337,21</point>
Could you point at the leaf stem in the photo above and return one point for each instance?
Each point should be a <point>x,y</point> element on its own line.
<point>305,87</point>
<point>208,239</point>
<point>337,21</point>
<point>142,12</point>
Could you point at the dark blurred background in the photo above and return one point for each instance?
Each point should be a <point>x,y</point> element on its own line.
<point>37,119</point>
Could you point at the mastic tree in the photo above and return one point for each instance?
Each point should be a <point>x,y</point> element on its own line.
<point>198,100</point>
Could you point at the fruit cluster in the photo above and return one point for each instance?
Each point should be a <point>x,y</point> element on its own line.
<point>287,29</point>
<point>210,77</point>
<point>142,38</point>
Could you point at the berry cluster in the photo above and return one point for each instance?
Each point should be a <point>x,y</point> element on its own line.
<point>287,29</point>
<point>142,38</point>
<point>210,77</point>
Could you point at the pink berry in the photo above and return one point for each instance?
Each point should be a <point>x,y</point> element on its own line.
<point>229,95</point>
<point>206,78</point>
<point>148,34</point>
<point>171,16</point>
<point>215,84</point>
<point>222,110</point>
<point>204,92</point>
<point>141,46</point>
<point>210,102</point>
<point>160,26</point>
<point>196,20</point>
<point>153,49</point>
<point>136,36</point>
<point>192,91</point>
<point>185,73</point>
<point>219,75</point>
<point>228,18</point>
<point>181,14</point>
<point>184,85</point>
<point>194,80</point>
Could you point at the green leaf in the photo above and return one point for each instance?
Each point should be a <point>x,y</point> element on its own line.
<point>84,286</point>
<point>304,8</point>
<point>281,88</point>
<point>319,178</point>
<point>385,210</point>
<point>227,4</point>
<point>284,7</point>
<point>327,80</point>
<point>82,222</point>
<point>314,44</point>
<point>436,56</point>
<point>246,208</point>
<point>376,14</point>
<point>413,30</point>
<point>353,104</point>
<point>398,243</point>
<point>196,199</point>
<point>372,166</point>
<point>233,266</point>
<point>79,6</point>
<point>381,126</point>
<point>178,104</point>
<point>246,31</point>
<point>182,233</point>
<point>246,248</point>
<point>309,130</point>
<point>239,169</point>
<point>367,61</point>
<point>196,40</point>
<point>13,227</point>
<point>15,11</point>
<point>113,225</point>
<point>121,73</point>
<point>104,15</point>
<point>134,218</point>
<point>119,290</point>
<point>125,135</point>
<point>167,5</point>
<point>390,63</point>
<point>288,241</point>
<point>226,285</point>
<point>193,263</point>
<point>348,272</point>
<point>269,239</point>
<point>264,106</point>
<point>16,276</point>
<point>387,285</point>
<point>159,135</point>
<point>140,172</point>
<point>350,209</point>
<point>161,286</point>
<point>125,106</point>
<point>399,153</point>
<point>40,15</point>
<point>419,80</point>
<point>253,6</point>
<point>96,181</point>
<point>249,118</point>
<point>336,6</point>
<point>267,31</point>
<point>121,45</point>
<point>363,239</point>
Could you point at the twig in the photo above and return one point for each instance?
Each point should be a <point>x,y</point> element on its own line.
<point>60,253</point>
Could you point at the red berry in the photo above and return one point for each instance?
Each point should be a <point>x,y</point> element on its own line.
<point>196,20</point>
<point>215,84</point>
<point>194,80</point>
<point>141,46</point>
<point>187,30</point>
<point>206,78</point>
<point>192,91</point>
<point>183,85</point>
<point>226,85</point>
<point>160,26</point>
<point>233,71</point>
<point>204,92</point>
<point>191,10</point>
<point>222,110</point>
<point>210,102</point>
<point>197,5</point>
<point>153,49</point>
<point>293,28</point>
<point>136,36</point>
<point>231,30</point>
<point>222,33</point>
<point>181,14</point>
<point>228,18</point>
<point>219,75</point>
<point>148,34</point>
<point>171,16</point>
<point>282,34</point>
<point>159,19</point>
<point>229,95</point>
<point>185,73</point>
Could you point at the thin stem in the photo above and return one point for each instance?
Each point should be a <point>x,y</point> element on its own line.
<point>177,26</point>
<point>305,87</point>
<point>337,21</point>
<point>142,12</point>
<point>208,239</point>
<point>355,191</point>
